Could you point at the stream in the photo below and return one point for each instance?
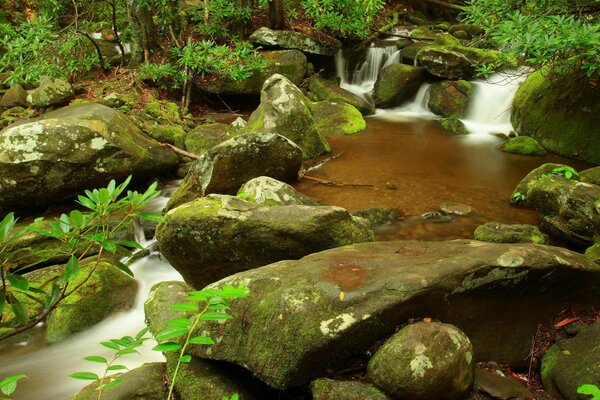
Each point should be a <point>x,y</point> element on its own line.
<point>407,161</point>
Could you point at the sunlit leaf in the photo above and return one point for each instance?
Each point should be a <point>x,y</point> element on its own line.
<point>214,316</point>
<point>184,307</point>
<point>86,376</point>
<point>179,322</point>
<point>171,332</point>
<point>201,340</point>
<point>110,345</point>
<point>185,359</point>
<point>112,384</point>
<point>96,359</point>
<point>116,368</point>
<point>18,281</point>
<point>168,346</point>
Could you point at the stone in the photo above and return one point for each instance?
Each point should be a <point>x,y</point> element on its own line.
<point>562,112</point>
<point>328,389</point>
<point>590,175</point>
<point>294,40</point>
<point>571,363</point>
<point>396,84</point>
<point>51,92</point>
<point>325,90</point>
<point>454,126</point>
<point>338,119</point>
<point>500,387</point>
<point>14,97</point>
<point>451,207</point>
<point>496,232</point>
<point>285,110</point>
<point>227,166</point>
<point>450,98</point>
<point>289,63</point>
<point>422,33</point>
<point>424,361</point>
<point>519,194</point>
<point>206,136</point>
<point>473,285</point>
<point>446,40</point>
<point>524,145</point>
<point>50,158</point>
<point>266,191</point>
<point>592,253</point>
<point>469,29</point>
<point>216,236</point>
<point>377,215</point>
<point>172,134</point>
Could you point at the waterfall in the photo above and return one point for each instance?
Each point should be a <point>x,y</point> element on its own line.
<point>416,108</point>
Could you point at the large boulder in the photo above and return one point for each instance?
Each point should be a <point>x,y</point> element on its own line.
<point>325,90</point>
<point>397,83</point>
<point>329,389</point>
<point>206,136</point>
<point>51,92</point>
<point>289,63</point>
<point>450,98</point>
<point>562,112</point>
<point>78,147</point>
<point>519,194</point>
<point>267,191</point>
<point>227,166</point>
<point>338,119</point>
<point>339,302</point>
<point>294,40</point>
<point>16,96</point>
<point>217,236</point>
<point>591,175</point>
<point>285,110</point>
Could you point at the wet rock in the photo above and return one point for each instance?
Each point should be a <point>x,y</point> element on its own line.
<point>227,166</point>
<point>519,194</point>
<point>324,90</point>
<point>451,207</point>
<point>455,126</point>
<point>446,40</point>
<point>206,136</point>
<point>286,111</point>
<point>173,134</point>
<point>51,92</point>
<point>289,63</point>
<point>409,53</point>
<point>473,285</point>
<point>377,215</point>
<point>395,84</point>
<point>424,361</point>
<point>523,145</point>
<point>593,253</point>
<point>470,30</point>
<point>338,119</point>
<point>571,363</point>
<point>496,232</point>
<point>422,33</point>
<point>450,98</point>
<point>266,191</point>
<point>328,389</point>
<point>216,236</point>
<point>78,147</point>
<point>14,97</point>
<point>294,40</point>
<point>500,387</point>
<point>591,175</point>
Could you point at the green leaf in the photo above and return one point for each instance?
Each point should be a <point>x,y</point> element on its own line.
<point>185,359</point>
<point>110,345</point>
<point>6,225</point>
<point>184,307</point>
<point>180,322</point>
<point>129,244</point>
<point>77,218</point>
<point>201,340</point>
<point>126,351</point>
<point>112,384</point>
<point>52,295</point>
<point>124,268</point>
<point>18,281</point>
<point>96,359</point>
<point>71,269</point>
<point>9,384</point>
<point>116,367</point>
<point>591,390</point>
<point>153,217</point>
<point>166,347</point>
<point>20,311</point>
<point>2,300</point>
<point>171,332</point>
<point>214,316</point>
<point>142,333</point>
<point>86,376</point>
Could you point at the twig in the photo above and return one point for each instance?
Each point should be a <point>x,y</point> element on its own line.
<point>532,352</point>
<point>327,182</point>
<point>180,151</point>
<point>319,164</point>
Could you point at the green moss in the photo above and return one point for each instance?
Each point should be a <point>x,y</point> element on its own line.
<point>446,40</point>
<point>173,134</point>
<point>454,126</point>
<point>397,83</point>
<point>322,90</point>
<point>206,136</point>
<point>338,119</point>
<point>523,145</point>
<point>422,33</point>
<point>163,111</point>
<point>450,98</point>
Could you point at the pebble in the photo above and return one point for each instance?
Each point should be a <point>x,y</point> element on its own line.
<point>456,208</point>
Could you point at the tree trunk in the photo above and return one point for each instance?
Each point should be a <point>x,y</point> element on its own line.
<point>144,36</point>
<point>276,14</point>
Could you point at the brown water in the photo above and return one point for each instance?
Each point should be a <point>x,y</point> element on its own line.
<point>427,166</point>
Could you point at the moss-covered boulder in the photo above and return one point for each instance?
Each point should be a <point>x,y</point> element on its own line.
<point>227,166</point>
<point>562,112</point>
<point>590,175</point>
<point>496,232</point>
<point>172,134</point>
<point>144,382</point>
<point>294,40</point>
<point>16,96</point>
<point>458,62</point>
<point>445,39</point>
<point>327,389</point>
<point>325,90</point>
<point>520,192</point>
<point>422,33</point>
<point>338,119</point>
<point>450,98</point>
<point>397,83</point>
<point>51,92</point>
<point>571,363</point>
<point>285,110</point>
<point>289,63</point>
<point>217,236</point>
<point>78,147</point>
<point>206,136</point>
<point>592,253</point>
<point>525,145</point>
<point>267,191</point>
<point>424,361</point>
<point>339,302</point>
<point>455,126</point>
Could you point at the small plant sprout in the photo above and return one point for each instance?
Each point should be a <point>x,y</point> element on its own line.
<point>566,171</point>
<point>207,305</point>
<point>517,198</point>
<point>8,385</point>
<point>590,390</point>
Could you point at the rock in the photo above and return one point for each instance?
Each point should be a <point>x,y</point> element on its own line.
<point>65,151</point>
<point>450,98</point>
<point>14,97</point>
<point>523,145</point>
<point>51,92</point>
<point>328,389</point>
<point>206,136</point>
<point>439,358</point>
<point>500,387</point>
<point>266,191</point>
<point>422,33</point>
<point>286,111</point>
<point>470,30</point>
<point>377,215</point>
<point>217,236</point>
<point>593,253</point>
<point>519,194</point>
<point>173,134</point>
<point>144,382</point>
<point>495,232</point>
<point>162,112</point>
<point>294,40</point>
<point>571,363</point>
<point>289,63</point>
<point>395,84</point>
<point>457,62</point>
<point>591,175</point>
<point>451,207</point>
<point>473,285</point>
<point>446,40</point>
<point>562,112</point>
<point>324,90</point>
<point>338,119</point>
<point>117,100</point>
<point>409,53</point>
<point>454,126</point>
<point>227,166</point>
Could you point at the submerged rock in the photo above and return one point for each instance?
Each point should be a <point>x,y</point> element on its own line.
<point>266,191</point>
<point>51,92</point>
<point>495,232</point>
<point>324,90</point>
<point>523,145</point>
<point>451,207</point>
<point>329,389</point>
<point>335,119</point>
<point>397,83</point>
<point>294,40</point>
<point>339,302</point>
<point>450,98</point>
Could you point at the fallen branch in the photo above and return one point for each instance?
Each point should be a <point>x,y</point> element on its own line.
<point>180,151</point>
<point>319,164</point>
<point>337,184</point>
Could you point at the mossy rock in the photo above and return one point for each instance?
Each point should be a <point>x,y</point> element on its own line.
<point>163,111</point>
<point>450,98</point>
<point>206,136</point>
<point>592,253</point>
<point>469,29</point>
<point>14,97</point>
<point>455,126</point>
<point>446,40</point>
<point>590,175</point>
<point>422,33</point>
<point>172,134</point>
<point>328,389</point>
<point>51,92</point>
<point>562,112</point>
<point>324,90</point>
<point>495,232</point>
<point>397,83</point>
<point>294,40</point>
<point>524,145</point>
<point>519,194</point>
<point>267,191</point>
<point>338,119</point>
